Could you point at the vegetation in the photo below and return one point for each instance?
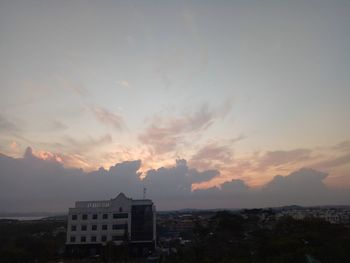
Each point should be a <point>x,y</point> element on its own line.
<point>232,238</point>
<point>31,241</point>
<point>225,237</point>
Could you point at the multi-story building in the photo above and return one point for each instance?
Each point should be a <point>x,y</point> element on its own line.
<point>94,224</point>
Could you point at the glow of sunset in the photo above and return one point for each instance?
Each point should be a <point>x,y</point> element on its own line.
<point>248,88</point>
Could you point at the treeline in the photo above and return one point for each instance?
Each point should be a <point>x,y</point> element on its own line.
<point>231,238</point>
<point>31,241</point>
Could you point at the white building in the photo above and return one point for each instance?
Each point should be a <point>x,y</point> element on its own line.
<point>92,224</point>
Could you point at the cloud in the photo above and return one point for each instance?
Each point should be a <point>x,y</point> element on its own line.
<point>165,134</point>
<point>176,180</point>
<point>15,147</point>
<point>58,126</point>
<point>296,182</point>
<point>302,187</point>
<point>334,162</point>
<point>124,84</point>
<point>212,154</point>
<point>7,126</point>
<point>84,145</point>
<point>33,184</point>
<point>109,118</point>
<point>44,184</point>
<point>77,88</point>
<point>277,158</point>
<point>78,153</point>
<point>343,146</point>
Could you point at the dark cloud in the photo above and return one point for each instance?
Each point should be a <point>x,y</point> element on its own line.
<point>30,183</point>
<point>33,184</point>
<point>302,187</point>
<point>175,181</point>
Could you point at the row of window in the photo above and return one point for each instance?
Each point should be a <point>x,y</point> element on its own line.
<point>103,227</point>
<point>83,239</point>
<point>104,216</point>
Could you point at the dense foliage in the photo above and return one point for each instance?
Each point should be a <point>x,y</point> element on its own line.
<point>31,241</point>
<point>232,238</point>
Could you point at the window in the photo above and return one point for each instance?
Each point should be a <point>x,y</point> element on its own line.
<point>83,228</point>
<point>94,227</point>
<point>85,217</point>
<point>105,216</point>
<point>103,238</point>
<point>72,239</point>
<point>74,217</point>
<point>117,238</point>
<point>120,226</point>
<point>104,227</point>
<point>94,216</point>
<point>120,215</point>
<point>93,239</point>
<point>120,209</point>
<point>83,239</point>
<point>73,228</point>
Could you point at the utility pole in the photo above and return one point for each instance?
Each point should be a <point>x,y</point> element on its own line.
<point>144,192</point>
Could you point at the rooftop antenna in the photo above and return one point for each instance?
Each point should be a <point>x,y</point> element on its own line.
<point>144,193</point>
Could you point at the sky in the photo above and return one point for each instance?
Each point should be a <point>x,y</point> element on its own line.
<point>234,93</point>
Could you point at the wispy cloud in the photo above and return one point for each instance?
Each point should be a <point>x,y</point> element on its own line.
<point>164,134</point>
<point>84,145</point>
<point>214,155</point>
<point>58,126</point>
<point>77,88</point>
<point>7,126</point>
<point>277,158</point>
<point>109,118</point>
<point>124,84</point>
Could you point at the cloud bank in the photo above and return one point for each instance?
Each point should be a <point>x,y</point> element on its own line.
<point>34,184</point>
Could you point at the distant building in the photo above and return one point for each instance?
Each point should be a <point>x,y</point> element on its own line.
<point>94,224</point>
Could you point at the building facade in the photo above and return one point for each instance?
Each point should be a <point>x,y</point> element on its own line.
<point>94,224</point>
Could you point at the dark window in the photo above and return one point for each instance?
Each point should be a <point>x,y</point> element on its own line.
<point>83,228</point>
<point>94,216</point>
<point>85,217</point>
<point>73,228</point>
<point>103,238</point>
<point>120,209</point>
<point>118,238</point>
<point>94,227</point>
<point>83,239</point>
<point>72,239</point>
<point>120,215</point>
<point>74,217</point>
<point>105,216</point>
<point>141,222</point>
<point>120,226</point>
<point>104,227</point>
<point>93,239</point>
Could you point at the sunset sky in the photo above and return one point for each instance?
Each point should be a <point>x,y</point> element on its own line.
<point>250,89</point>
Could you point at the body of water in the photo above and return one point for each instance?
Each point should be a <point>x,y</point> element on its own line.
<point>22,218</point>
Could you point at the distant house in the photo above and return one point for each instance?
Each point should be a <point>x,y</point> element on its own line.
<point>92,225</point>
